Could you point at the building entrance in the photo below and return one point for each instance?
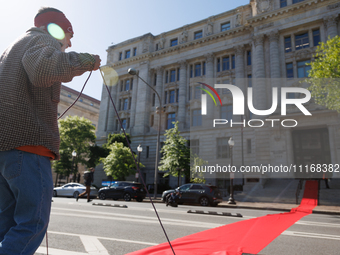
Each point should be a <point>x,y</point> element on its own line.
<point>311,146</point>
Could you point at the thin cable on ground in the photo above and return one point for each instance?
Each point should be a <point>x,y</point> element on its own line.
<point>120,122</point>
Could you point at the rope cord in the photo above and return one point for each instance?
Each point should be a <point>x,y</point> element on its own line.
<point>141,177</point>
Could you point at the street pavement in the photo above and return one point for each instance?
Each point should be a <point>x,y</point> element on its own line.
<point>112,230</point>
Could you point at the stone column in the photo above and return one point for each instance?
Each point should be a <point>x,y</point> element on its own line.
<point>330,24</point>
<point>134,102</point>
<point>143,92</point>
<point>210,80</point>
<point>159,89</point>
<point>259,85</point>
<point>274,54</point>
<point>275,73</point>
<point>182,94</point>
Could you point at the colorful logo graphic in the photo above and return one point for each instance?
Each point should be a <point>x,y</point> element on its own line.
<point>204,97</point>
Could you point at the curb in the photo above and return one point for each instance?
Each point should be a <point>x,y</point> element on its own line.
<point>111,205</point>
<point>216,213</point>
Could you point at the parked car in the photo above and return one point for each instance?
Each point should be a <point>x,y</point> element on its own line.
<point>123,190</point>
<point>193,193</point>
<point>73,190</point>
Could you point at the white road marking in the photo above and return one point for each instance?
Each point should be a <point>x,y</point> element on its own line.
<point>52,251</point>
<point>311,235</point>
<point>93,246</point>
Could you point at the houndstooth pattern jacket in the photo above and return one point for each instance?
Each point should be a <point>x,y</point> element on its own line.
<point>31,72</point>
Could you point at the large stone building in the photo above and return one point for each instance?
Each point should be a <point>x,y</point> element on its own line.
<point>263,45</point>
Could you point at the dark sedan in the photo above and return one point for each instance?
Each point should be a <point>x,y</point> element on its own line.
<point>193,193</point>
<point>123,190</point>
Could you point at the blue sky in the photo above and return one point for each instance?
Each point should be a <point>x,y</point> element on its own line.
<point>101,23</point>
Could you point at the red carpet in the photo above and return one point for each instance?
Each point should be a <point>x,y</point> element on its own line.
<point>248,236</point>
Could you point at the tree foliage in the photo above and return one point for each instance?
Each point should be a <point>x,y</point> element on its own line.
<point>76,134</point>
<point>119,138</point>
<point>325,74</point>
<point>177,157</point>
<point>119,163</point>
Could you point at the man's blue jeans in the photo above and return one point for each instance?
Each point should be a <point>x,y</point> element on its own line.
<point>26,188</point>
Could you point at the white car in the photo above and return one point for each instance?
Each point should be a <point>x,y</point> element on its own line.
<point>73,190</point>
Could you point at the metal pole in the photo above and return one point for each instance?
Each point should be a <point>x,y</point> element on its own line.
<point>134,72</point>
<point>138,163</point>
<point>231,198</point>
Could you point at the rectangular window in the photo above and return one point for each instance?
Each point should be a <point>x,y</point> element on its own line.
<point>173,42</point>
<point>172,96</point>
<point>126,103</point>
<point>303,69</point>
<point>191,71</point>
<point>227,112</point>
<point>124,123</point>
<point>223,150</point>
<point>178,74</point>
<point>248,146</point>
<point>152,120</point>
<point>250,84</point>
<point>127,85</point>
<point>153,99</point>
<point>127,54</point>
<point>290,95</point>
<point>121,85</point>
<point>194,146</point>
<point>120,55</point>
<point>156,46</point>
<point>297,1</point>
<point>249,58</point>
<point>225,26</point>
<point>233,62</point>
<point>197,93</point>
<point>171,119</point>
<point>155,79</point>
<point>290,70</point>
<point>172,75</point>
<point>134,51</point>
<point>166,97</point>
<point>316,37</point>
<point>196,118</point>
<point>131,84</point>
<point>128,123</point>
<point>283,3</point>
<point>301,41</point>
<point>130,100</point>
<point>218,65</point>
<point>288,44</point>
<point>166,77</point>
<point>198,35</point>
<point>225,63</point>
<point>147,152</point>
<point>197,70</point>
<point>177,95</point>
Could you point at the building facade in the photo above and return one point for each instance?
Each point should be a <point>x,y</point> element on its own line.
<point>265,44</point>
<point>86,106</point>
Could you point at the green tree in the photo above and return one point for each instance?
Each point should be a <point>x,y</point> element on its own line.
<point>325,73</point>
<point>76,134</point>
<point>119,138</point>
<point>119,163</point>
<point>176,154</point>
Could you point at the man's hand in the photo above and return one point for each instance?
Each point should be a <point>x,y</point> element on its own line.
<point>97,64</point>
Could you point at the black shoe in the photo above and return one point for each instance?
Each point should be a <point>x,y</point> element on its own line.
<point>77,198</point>
<point>89,200</point>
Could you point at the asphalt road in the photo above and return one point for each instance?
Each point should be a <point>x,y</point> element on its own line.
<point>79,228</point>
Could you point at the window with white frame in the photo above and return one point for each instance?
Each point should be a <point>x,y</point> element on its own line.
<point>225,26</point>
<point>198,34</point>
<point>223,150</point>
<point>303,68</point>
<point>196,118</point>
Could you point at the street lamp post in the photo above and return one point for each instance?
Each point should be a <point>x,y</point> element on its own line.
<point>74,155</point>
<point>231,198</point>
<point>139,149</point>
<point>134,72</point>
